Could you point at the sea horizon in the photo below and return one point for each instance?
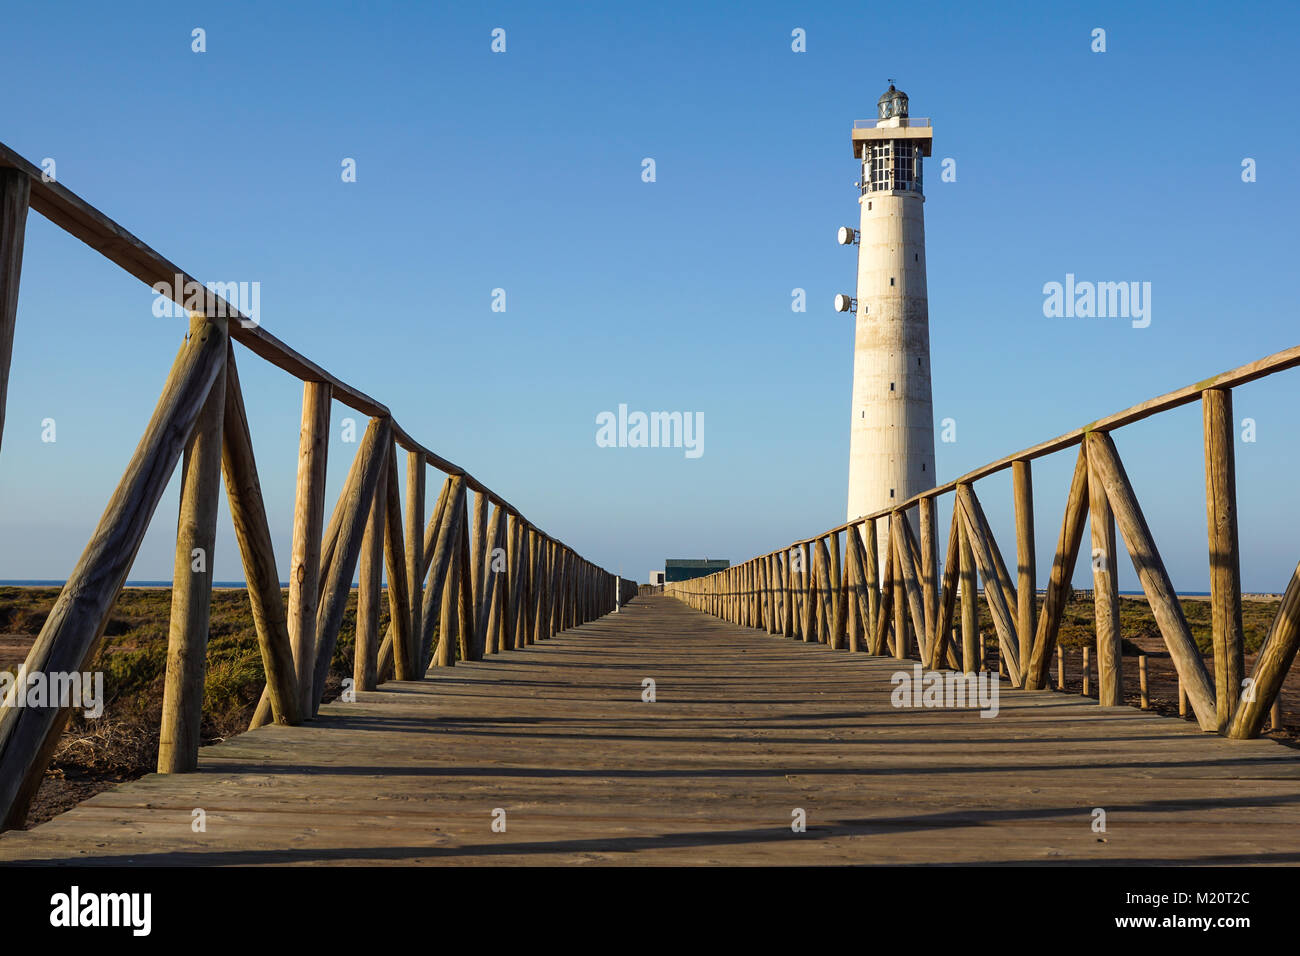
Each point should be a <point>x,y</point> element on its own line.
<point>51,583</point>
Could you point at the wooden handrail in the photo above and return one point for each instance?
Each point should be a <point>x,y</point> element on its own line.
<point>912,605</point>
<point>202,413</point>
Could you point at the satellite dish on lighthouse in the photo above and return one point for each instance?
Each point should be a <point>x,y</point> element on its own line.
<point>843,303</point>
<point>846,236</point>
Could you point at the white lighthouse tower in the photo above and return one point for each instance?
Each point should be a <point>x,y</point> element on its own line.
<point>891,449</point>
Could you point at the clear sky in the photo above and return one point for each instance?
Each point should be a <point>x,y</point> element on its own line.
<point>522,171</point>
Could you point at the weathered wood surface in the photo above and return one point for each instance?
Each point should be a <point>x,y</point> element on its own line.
<point>746,728</point>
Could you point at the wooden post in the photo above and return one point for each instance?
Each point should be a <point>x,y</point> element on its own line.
<point>808,630</point>
<point>1105,585</point>
<point>1026,569</point>
<point>470,647</point>
<point>1060,668</point>
<point>541,622</point>
<point>308,514</point>
<point>929,576</point>
<point>1087,671</point>
<point>1225,559</point>
<point>1168,612</point>
<point>15,192</point>
<point>414,534</point>
<point>825,594</point>
<point>196,534</point>
<point>971,658</point>
<point>871,565</point>
<point>478,570</point>
<point>900,597</point>
<point>1182,698</point>
<point>356,498</point>
<point>449,617</point>
<point>439,571</point>
<point>776,588</point>
<point>365,656</point>
<point>993,574</point>
<point>1271,665</point>
<point>839,597</point>
<point>856,593</point>
<point>558,560</point>
<point>884,612</point>
<point>72,631</point>
<point>501,587</point>
<point>253,532</point>
<point>945,651</point>
<point>404,642</point>
<point>1142,682</point>
<point>515,563</point>
<point>900,531</point>
<point>1058,586</point>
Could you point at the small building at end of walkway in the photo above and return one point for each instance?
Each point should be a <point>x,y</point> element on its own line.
<point>683,569</point>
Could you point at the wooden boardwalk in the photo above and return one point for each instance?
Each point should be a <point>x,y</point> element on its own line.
<point>746,728</point>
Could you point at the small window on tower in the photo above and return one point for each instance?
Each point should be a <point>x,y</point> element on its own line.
<point>923,466</point>
<point>891,280</point>
<point>891,492</point>
<point>891,386</point>
<point>868,207</point>
<point>916,257</point>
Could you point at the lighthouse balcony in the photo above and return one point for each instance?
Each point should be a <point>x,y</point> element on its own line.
<point>898,122</point>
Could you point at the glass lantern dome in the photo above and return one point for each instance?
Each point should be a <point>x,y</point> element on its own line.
<point>892,104</point>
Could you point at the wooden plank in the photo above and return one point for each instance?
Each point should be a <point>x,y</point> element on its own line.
<point>931,784</point>
<point>1103,461</point>
<point>196,539</point>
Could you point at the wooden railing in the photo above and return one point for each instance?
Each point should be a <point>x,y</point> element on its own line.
<point>822,589</point>
<point>461,586</point>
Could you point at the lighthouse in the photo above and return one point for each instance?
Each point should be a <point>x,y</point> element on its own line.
<point>891,440</point>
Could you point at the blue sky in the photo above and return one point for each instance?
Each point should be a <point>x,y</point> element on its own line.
<point>522,171</point>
